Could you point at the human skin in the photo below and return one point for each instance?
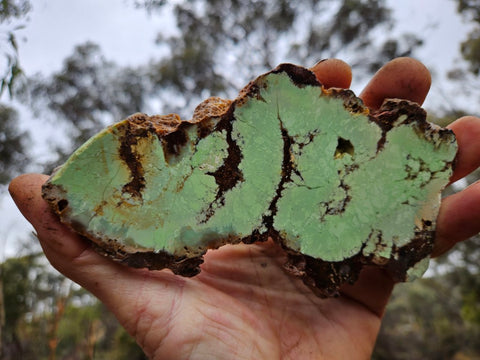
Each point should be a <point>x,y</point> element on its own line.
<point>243,305</point>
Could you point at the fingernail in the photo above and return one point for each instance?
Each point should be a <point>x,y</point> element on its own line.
<point>320,61</point>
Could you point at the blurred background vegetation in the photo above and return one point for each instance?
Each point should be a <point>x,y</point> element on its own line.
<point>216,48</point>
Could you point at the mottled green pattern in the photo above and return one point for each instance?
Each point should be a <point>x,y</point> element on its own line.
<point>172,213</point>
<point>312,170</point>
<point>386,191</point>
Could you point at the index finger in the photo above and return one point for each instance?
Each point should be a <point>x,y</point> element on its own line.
<point>401,78</point>
<point>333,73</point>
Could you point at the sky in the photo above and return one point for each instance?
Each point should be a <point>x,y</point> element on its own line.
<point>438,22</point>
<point>126,34</point>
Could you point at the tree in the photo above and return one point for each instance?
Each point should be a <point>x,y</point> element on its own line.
<point>47,316</point>
<point>13,145</point>
<point>464,263</point>
<point>215,48</point>
<point>27,289</point>
<point>467,74</point>
<point>470,48</point>
<point>88,93</point>
<point>12,17</point>
<point>221,45</point>
<point>12,141</point>
<point>96,334</point>
<point>218,46</point>
<point>425,320</point>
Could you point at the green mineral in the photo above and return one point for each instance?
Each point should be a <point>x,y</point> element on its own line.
<point>337,186</point>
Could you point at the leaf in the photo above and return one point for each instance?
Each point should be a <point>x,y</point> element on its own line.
<point>13,41</point>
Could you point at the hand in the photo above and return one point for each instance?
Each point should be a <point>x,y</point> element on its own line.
<point>243,305</point>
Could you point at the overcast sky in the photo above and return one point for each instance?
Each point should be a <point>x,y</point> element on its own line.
<point>126,36</point>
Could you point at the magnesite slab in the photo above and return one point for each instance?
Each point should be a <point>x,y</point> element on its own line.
<point>336,186</point>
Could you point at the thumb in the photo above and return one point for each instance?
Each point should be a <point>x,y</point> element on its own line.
<point>127,292</point>
<point>58,242</point>
<point>68,252</point>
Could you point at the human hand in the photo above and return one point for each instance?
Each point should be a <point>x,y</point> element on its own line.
<point>243,304</point>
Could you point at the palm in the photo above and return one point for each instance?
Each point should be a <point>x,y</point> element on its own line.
<point>244,304</point>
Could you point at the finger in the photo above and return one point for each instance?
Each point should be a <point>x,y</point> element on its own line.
<point>402,78</point>
<point>467,132</point>
<point>372,289</point>
<point>333,73</point>
<point>459,216</point>
<point>25,191</point>
<point>458,219</point>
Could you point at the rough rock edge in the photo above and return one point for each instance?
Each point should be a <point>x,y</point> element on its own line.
<point>324,278</point>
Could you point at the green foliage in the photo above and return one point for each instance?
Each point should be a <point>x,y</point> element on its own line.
<point>38,301</point>
<point>471,306</point>
<point>424,320</point>
<point>13,71</point>
<point>96,334</point>
<point>220,45</point>
<point>88,93</point>
<point>17,288</point>
<point>446,119</point>
<point>125,347</point>
<point>149,5</point>
<point>470,48</point>
<point>89,87</point>
<point>470,8</point>
<point>13,143</point>
<point>27,289</point>
<point>213,49</point>
<point>11,11</point>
